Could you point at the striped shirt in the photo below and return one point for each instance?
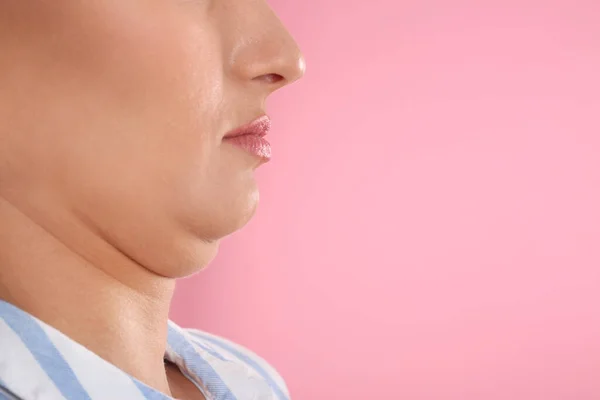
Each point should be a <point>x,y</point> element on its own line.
<point>37,362</point>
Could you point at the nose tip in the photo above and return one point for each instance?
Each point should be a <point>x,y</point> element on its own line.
<point>297,67</point>
<point>300,67</point>
<point>263,51</point>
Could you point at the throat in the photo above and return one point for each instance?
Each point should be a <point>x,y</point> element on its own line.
<point>99,299</point>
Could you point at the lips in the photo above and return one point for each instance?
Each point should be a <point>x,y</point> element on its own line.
<point>259,127</point>
<point>250,137</point>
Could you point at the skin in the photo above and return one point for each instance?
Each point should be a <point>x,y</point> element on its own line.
<point>114,178</point>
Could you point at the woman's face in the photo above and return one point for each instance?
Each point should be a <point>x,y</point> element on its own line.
<point>113,112</point>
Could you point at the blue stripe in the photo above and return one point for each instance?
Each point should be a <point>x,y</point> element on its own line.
<point>4,396</point>
<point>199,366</point>
<point>247,360</point>
<point>149,393</point>
<point>44,351</point>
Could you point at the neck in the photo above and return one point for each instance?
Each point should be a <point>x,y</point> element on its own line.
<point>68,277</point>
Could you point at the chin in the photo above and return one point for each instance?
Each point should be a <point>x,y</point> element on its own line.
<point>188,259</point>
<point>184,237</point>
<point>232,215</point>
<point>229,208</point>
<point>192,248</point>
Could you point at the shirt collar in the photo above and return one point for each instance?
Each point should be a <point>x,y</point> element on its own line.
<point>38,361</point>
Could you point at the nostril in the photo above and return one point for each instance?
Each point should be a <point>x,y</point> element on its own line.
<point>270,78</point>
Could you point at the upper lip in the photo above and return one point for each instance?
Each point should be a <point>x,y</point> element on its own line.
<point>258,127</point>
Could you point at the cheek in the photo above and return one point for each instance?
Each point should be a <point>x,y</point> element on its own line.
<point>160,150</point>
<point>173,75</point>
<point>152,98</point>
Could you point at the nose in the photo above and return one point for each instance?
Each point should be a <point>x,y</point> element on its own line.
<point>266,54</point>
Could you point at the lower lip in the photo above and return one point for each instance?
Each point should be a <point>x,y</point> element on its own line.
<point>252,144</point>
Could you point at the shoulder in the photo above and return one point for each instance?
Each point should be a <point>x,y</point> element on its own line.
<point>221,347</point>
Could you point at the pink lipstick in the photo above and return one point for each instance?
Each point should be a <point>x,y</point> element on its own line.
<point>251,137</point>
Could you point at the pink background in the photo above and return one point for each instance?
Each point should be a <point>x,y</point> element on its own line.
<point>429,227</point>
